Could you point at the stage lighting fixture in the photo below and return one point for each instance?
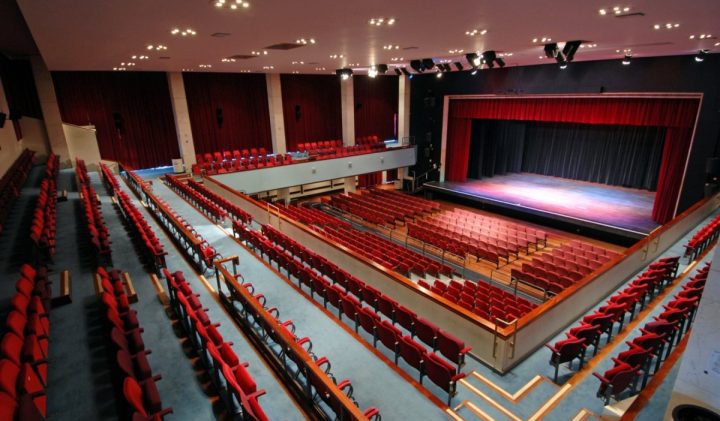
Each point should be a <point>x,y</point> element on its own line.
<point>405,72</point>
<point>344,73</point>
<point>551,50</point>
<point>700,56</point>
<point>398,72</point>
<point>474,72</point>
<point>489,57</point>
<point>563,64</point>
<point>500,62</point>
<point>417,65</point>
<point>570,49</point>
<point>439,74</point>
<point>382,68</point>
<point>473,59</point>
<point>458,65</point>
<point>372,71</point>
<point>626,59</point>
<point>428,63</point>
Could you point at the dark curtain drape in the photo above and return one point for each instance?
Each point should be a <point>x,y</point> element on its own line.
<point>627,156</point>
<point>370,179</point>
<point>660,112</point>
<point>311,108</point>
<point>19,86</point>
<point>376,106</point>
<point>228,111</point>
<point>496,148</point>
<point>131,111</point>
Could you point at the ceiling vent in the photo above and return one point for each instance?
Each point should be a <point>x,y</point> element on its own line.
<point>410,48</point>
<point>284,46</point>
<point>220,34</point>
<point>242,56</point>
<point>630,15</point>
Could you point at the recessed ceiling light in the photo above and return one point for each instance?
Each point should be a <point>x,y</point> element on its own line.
<point>336,56</point>
<point>268,67</point>
<point>541,39</point>
<point>188,70</point>
<point>668,25</point>
<point>227,60</point>
<point>460,51</point>
<point>205,66</point>
<point>139,57</point>
<point>391,47</point>
<point>245,71</point>
<point>304,41</point>
<point>230,4</point>
<point>473,32</point>
<point>298,62</point>
<point>320,69</point>
<point>381,21</point>
<point>158,47</point>
<point>183,32</point>
<point>603,12</point>
<point>397,59</point>
<point>259,53</point>
<point>295,72</point>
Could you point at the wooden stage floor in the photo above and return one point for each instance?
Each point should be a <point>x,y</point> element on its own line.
<point>613,210</point>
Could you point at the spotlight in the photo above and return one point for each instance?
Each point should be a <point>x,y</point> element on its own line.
<point>417,65</point>
<point>372,71</point>
<point>398,72</point>
<point>428,63</point>
<point>382,68</point>
<point>570,49</point>
<point>500,62</point>
<point>410,77</point>
<point>405,72</point>
<point>474,72</point>
<point>489,57</point>
<point>700,56</point>
<point>458,65</point>
<point>438,74</point>
<point>563,65</point>
<point>344,73</point>
<point>626,59</point>
<point>551,50</point>
<point>473,59</point>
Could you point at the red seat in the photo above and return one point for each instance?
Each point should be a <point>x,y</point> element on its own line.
<point>615,381</point>
<point>452,348</point>
<point>566,351</point>
<point>412,352</point>
<point>442,374</point>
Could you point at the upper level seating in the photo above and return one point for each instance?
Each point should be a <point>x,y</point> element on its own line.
<point>367,307</point>
<point>133,374</point>
<point>702,239</point>
<point>99,233</point>
<point>563,267</point>
<point>387,253</point>
<point>12,181</point>
<point>326,149</point>
<point>230,377</point>
<point>310,216</point>
<point>220,163</point>
<point>655,342</point>
<point>622,304</point>
<point>487,301</point>
<point>24,348</point>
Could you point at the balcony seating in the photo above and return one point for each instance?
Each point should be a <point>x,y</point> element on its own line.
<point>702,239</point>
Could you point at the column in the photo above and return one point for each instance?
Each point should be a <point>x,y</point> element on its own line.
<point>284,195</point>
<point>350,185</point>
<point>182,118</point>
<point>403,121</point>
<point>277,122</point>
<point>347,104</point>
<point>51,111</point>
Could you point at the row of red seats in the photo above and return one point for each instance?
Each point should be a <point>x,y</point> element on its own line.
<point>655,342</point>
<point>301,357</point>
<point>152,248</point>
<point>481,248</point>
<point>323,144</point>
<point>233,382</point>
<point>474,220</point>
<point>12,181</point>
<point>407,200</point>
<point>99,233</point>
<point>244,164</point>
<point>387,253</point>
<point>42,228</point>
<point>403,210</point>
<point>218,157</point>
<point>577,246</point>
<point>111,183</point>
<point>511,240</point>
<point>133,374</point>
<point>235,211</point>
<point>702,239</point>
<point>485,300</point>
<point>569,262</point>
<point>587,257</point>
<point>310,216</point>
<point>370,215</point>
<point>24,348</point>
<point>205,205</point>
<point>347,294</point>
<point>623,303</point>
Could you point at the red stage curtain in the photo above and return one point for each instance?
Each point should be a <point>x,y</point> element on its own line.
<point>677,147</point>
<point>457,149</point>
<point>662,112</point>
<point>376,106</point>
<point>311,108</point>
<point>146,135</point>
<point>242,99</point>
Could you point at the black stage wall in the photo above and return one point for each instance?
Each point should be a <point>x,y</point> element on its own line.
<point>663,74</point>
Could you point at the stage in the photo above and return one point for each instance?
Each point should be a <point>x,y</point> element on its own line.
<point>618,214</point>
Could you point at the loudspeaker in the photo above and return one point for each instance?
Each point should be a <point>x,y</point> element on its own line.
<point>117,118</point>
<point>219,116</point>
<point>297,112</point>
<point>712,167</point>
<point>3,116</point>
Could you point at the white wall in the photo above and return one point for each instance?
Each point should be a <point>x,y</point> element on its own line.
<point>82,143</point>
<point>10,148</point>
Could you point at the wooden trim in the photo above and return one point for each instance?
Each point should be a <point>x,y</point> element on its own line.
<point>490,401</point>
<point>129,287</point>
<point>157,284</point>
<point>477,411</point>
<point>517,396</point>
<point>453,415</point>
<point>658,378</point>
<point>97,284</point>
<point>551,403</point>
<point>65,296</point>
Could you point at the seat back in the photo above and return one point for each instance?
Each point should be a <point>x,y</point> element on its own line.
<point>412,352</point>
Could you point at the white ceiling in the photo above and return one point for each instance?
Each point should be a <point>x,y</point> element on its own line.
<point>99,35</point>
